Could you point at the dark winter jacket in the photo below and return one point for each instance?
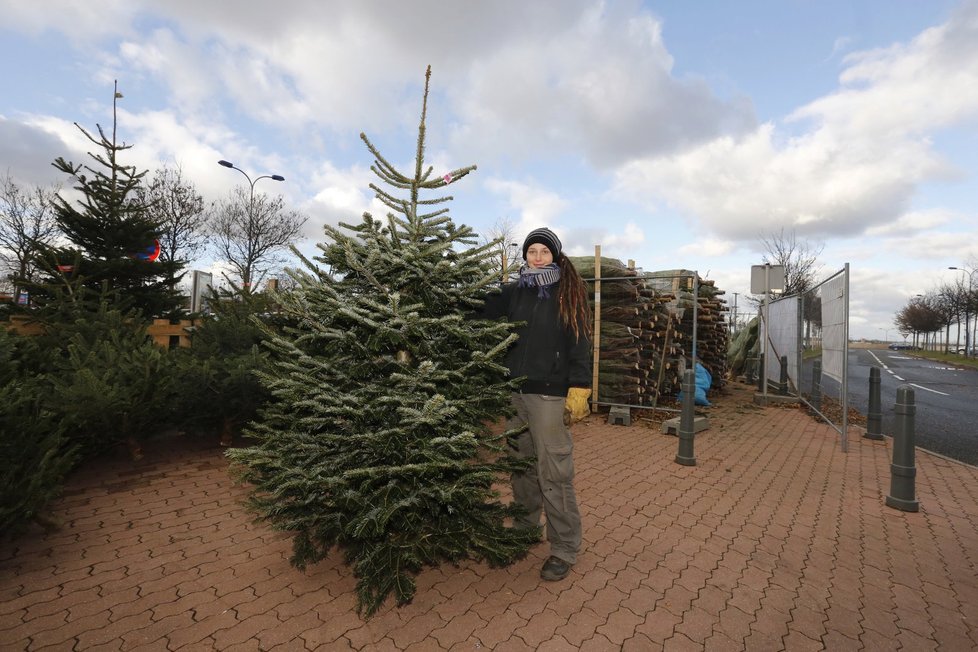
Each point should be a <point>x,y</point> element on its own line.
<point>546,353</point>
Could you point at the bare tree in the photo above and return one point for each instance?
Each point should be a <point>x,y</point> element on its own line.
<point>799,258</point>
<point>252,232</point>
<point>508,259</point>
<point>948,300</point>
<point>27,223</point>
<point>801,267</point>
<point>919,316</point>
<point>174,203</point>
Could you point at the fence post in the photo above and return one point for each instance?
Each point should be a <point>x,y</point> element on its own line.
<point>902,470</point>
<point>686,420</point>
<point>874,415</point>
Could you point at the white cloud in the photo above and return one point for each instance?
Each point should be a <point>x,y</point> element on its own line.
<point>914,222</point>
<point>342,195</point>
<point>75,20</point>
<point>858,166</point>
<point>535,206</point>
<point>709,247</point>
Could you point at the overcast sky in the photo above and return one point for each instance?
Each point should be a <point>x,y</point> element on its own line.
<point>677,134</point>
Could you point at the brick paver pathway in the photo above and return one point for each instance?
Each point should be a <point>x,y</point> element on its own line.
<point>775,540</point>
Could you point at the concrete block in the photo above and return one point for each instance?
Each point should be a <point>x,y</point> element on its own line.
<point>619,416</point>
<point>671,426</point>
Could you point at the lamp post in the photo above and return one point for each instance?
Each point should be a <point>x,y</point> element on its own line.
<point>886,334</point>
<point>508,252</point>
<point>246,281</point>
<point>967,307</point>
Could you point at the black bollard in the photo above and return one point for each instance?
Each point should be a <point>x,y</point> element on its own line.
<point>817,385</point>
<point>686,420</point>
<point>761,373</point>
<point>783,379</point>
<point>874,415</point>
<point>902,470</point>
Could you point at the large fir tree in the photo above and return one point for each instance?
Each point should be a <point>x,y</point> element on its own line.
<point>111,234</point>
<point>377,439</point>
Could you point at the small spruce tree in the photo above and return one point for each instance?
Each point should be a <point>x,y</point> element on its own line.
<point>35,456</point>
<point>110,233</point>
<point>377,439</point>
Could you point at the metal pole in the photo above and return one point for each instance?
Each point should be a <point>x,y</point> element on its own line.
<point>874,415</point>
<point>767,299</point>
<point>733,322</point>
<point>902,471</point>
<point>844,399</point>
<point>696,301</point>
<point>685,455</point>
<point>967,315</point>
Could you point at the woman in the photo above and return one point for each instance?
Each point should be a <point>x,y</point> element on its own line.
<point>553,353</point>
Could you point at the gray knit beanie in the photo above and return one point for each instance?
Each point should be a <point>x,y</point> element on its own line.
<point>545,237</point>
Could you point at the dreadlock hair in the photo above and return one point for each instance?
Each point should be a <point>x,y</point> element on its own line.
<point>575,311</point>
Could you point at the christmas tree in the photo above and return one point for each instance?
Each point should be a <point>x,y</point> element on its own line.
<point>377,440</point>
<point>113,241</point>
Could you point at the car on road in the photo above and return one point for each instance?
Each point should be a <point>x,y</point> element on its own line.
<point>963,350</point>
<point>902,346</point>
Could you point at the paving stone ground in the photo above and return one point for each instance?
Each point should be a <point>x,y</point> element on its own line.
<point>775,540</point>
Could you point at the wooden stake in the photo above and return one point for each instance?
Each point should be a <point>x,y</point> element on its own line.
<point>596,343</point>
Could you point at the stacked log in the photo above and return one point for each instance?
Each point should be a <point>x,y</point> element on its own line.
<point>712,334</point>
<point>639,347</point>
<point>646,331</point>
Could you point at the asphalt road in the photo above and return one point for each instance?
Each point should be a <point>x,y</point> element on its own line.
<point>945,396</point>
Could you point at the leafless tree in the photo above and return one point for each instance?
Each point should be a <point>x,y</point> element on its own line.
<point>948,299</point>
<point>174,203</point>
<point>27,223</point>
<point>508,259</point>
<point>799,258</point>
<point>919,316</point>
<point>801,267</point>
<point>252,232</point>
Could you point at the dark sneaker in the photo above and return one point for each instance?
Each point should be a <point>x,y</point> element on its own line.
<point>554,569</point>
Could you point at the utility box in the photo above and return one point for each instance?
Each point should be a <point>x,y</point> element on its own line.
<point>619,416</point>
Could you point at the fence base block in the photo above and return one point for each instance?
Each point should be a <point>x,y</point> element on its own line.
<point>619,416</point>
<point>671,426</point>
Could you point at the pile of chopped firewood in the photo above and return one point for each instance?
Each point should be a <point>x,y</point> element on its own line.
<point>646,330</point>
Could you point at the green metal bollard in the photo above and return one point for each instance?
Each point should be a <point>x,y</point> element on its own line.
<point>783,377</point>
<point>761,379</point>
<point>874,415</point>
<point>817,385</point>
<point>686,420</point>
<point>902,470</point>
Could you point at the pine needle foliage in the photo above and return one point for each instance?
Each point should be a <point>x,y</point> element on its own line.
<point>377,441</point>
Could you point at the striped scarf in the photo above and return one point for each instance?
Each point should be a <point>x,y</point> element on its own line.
<point>541,278</point>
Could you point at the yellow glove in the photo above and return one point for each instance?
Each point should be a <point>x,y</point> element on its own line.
<point>577,404</point>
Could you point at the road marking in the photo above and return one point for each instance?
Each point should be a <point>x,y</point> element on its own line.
<point>895,376</point>
<point>928,389</point>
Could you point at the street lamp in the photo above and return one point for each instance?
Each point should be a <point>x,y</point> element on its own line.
<point>246,282</point>
<point>508,252</point>
<point>967,307</point>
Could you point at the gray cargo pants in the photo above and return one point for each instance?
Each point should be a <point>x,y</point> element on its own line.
<point>549,486</point>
